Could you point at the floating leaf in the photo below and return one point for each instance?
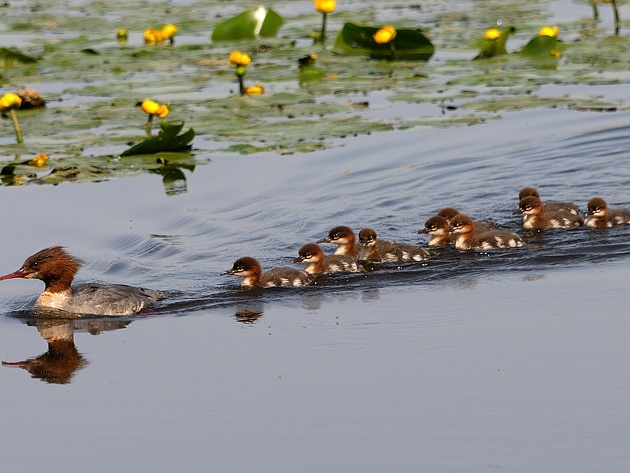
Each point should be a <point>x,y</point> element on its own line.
<point>408,43</point>
<point>250,24</point>
<point>12,57</point>
<point>310,73</point>
<point>543,46</point>
<point>495,47</point>
<point>168,139</point>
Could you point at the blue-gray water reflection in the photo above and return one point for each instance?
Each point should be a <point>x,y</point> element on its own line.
<point>504,359</point>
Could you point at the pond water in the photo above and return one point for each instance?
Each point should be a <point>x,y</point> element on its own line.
<point>510,360</point>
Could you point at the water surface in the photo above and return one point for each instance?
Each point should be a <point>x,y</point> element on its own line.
<point>509,359</point>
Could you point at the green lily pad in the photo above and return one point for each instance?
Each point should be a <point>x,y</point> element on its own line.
<point>168,139</point>
<point>495,47</point>
<point>542,46</point>
<point>12,57</point>
<point>251,24</point>
<point>408,43</point>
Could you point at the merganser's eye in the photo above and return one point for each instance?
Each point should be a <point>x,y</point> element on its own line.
<point>35,264</point>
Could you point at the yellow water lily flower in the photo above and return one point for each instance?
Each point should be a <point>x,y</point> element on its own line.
<point>551,31</point>
<point>122,35</point>
<point>240,59</point>
<point>39,161</point>
<point>153,108</point>
<point>385,35</point>
<point>162,111</point>
<point>10,101</point>
<point>255,89</point>
<point>153,36</point>
<point>169,31</point>
<point>325,6</point>
<point>492,34</point>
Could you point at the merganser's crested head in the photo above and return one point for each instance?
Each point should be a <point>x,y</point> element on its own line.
<point>54,265</point>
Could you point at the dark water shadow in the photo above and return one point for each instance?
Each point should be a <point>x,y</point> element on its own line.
<point>62,360</point>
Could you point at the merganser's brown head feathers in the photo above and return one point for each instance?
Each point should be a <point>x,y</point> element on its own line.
<point>340,235</point>
<point>54,265</point>
<point>448,213</point>
<point>367,237</point>
<point>597,206</point>
<point>435,225</point>
<point>530,205</point>
<point>528,192</point>
<point>245,266</point>
<point>309,253</point>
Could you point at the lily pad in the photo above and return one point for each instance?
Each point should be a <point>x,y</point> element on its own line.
<point>408,43</point>
<point>10,57</point>
<point>251,24</point>
<point>168,139</point>
<point>543,46</point>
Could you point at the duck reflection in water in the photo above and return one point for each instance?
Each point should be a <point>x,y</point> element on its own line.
<point>62,360</point>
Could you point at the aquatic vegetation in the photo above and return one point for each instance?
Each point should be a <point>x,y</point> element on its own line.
<point>153,109</point>
<point>384,43</point>
<point>258,22</point>
<point>325,7</point>
<point>168,139</point>
<point>8,104</point>
<point>306,97</point>
<point>494,42</point>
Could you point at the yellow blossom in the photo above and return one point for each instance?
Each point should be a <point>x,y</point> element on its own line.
<point>153,108</point>
<point>162,111</point>
<point>169,31</point>
<point>39,161</point>
<point>551,31</point>
<point>325,6</point>
<point>121,35</point>
<point>240,59</point>
<point>492,34</point>
<point>9,101</point>
<point>255,89</point>
<point>153,36</point>
<point>385,35</point>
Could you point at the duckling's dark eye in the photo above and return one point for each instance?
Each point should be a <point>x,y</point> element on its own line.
<point>433,228</point>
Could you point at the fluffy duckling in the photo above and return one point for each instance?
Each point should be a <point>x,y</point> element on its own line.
<point>600,216</point>
<point>535,217</point>
<point>550,206</point>
<point>464,227</point>
<point>317,263</point>
<point>253,276</point>
<point>378,251</point>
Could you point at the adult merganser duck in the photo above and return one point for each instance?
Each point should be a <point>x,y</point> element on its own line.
<point>600,216</point>
<point>57,268</point>
<point>250,270</point>
<point>378,251</point>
